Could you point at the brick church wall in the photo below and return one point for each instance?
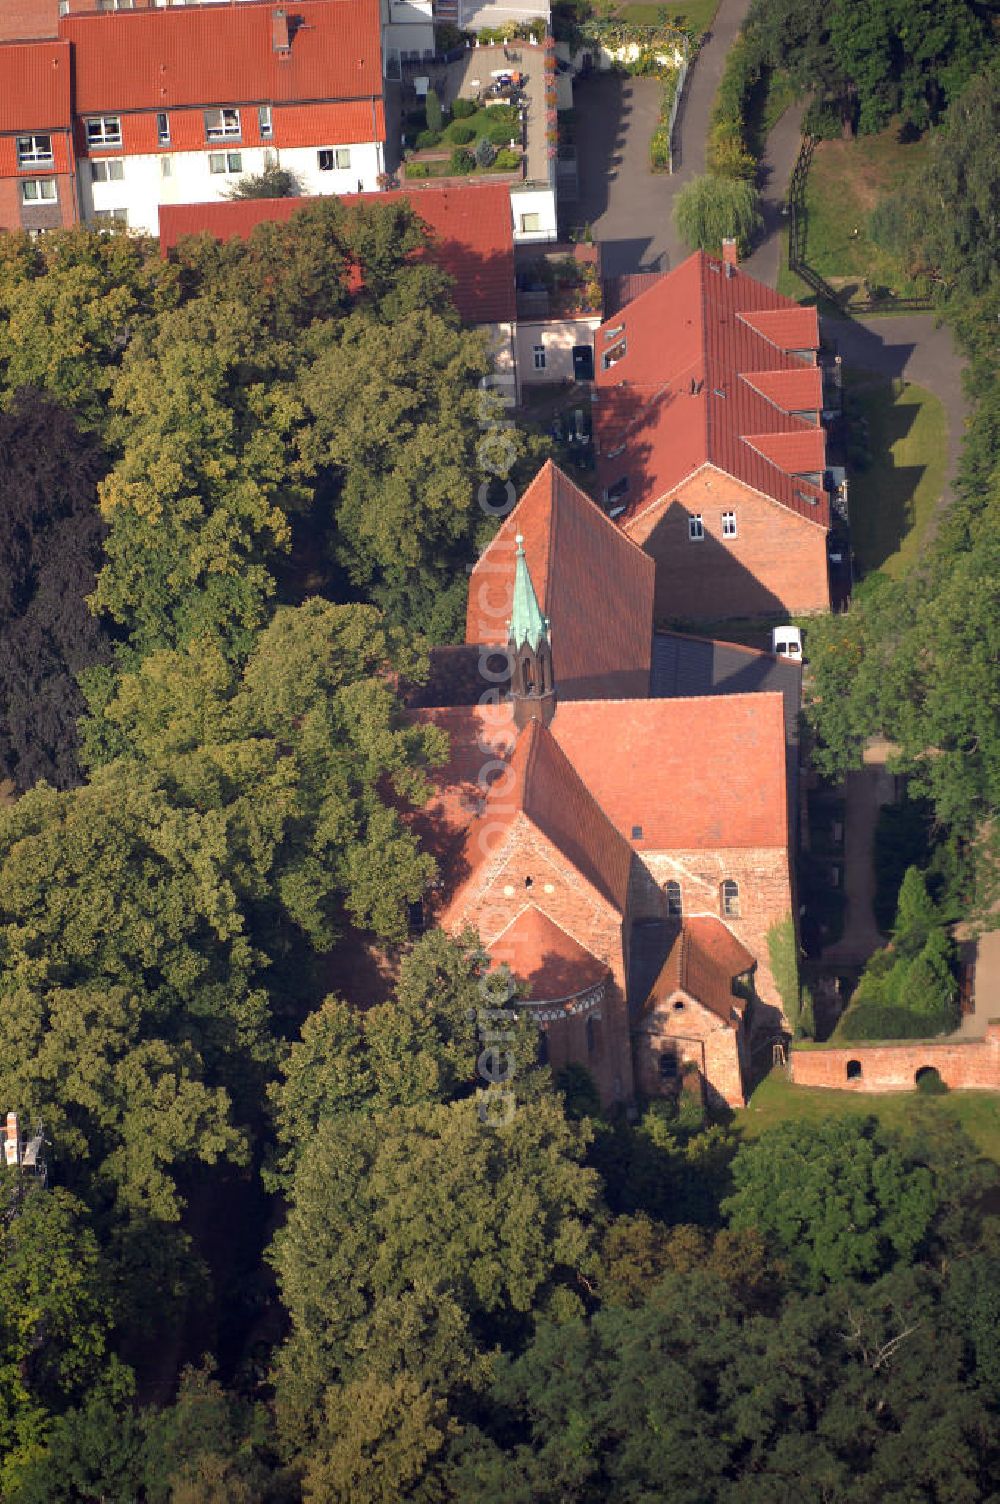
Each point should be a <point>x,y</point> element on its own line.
<point>776,563</point>
<point>697,1037</point>
<point>498,895</point>
<point>765,895</point>
<point>971,1065</point>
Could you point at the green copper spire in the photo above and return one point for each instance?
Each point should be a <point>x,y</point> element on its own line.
<point>527,624</point>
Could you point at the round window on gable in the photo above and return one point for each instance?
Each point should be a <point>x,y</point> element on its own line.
<point>678,1006</point>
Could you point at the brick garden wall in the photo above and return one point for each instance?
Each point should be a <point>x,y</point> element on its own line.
<point>972,1065</point>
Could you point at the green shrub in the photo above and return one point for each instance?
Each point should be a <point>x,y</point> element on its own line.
<point>870,1019</point>
<point>581,1095</point>
<point>507,112</point>
<point>902,839</point>
<point>462,108</point>
<point>486,152</point>
<point>460,134</point>
<point>500,132</point>
<point>929,1083</point>
<point>783,955</point>
<point>432,108</point>
<point>659,149</point>
<point>418,170</point>
<point>462,161</point>
<point>427,139</point>
<point>507,161</point>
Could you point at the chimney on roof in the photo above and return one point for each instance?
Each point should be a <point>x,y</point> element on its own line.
<point>730,256</point>
<point>281,40</point>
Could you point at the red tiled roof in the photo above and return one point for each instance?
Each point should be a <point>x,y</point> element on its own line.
<point>676,401</point>
<point>704,772</point>
<point>540,784</point>
<point>703,961</point>
<point>791,391</point>
<point>792,328</point>
<point>34,86</point>
<point>551,962</point>
<point>224,55</point>
<point>593,583</point>
<point>798,453</point>
<point>472,234</point>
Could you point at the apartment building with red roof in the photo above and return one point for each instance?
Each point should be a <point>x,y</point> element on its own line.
<point>711,450</point>
<point>624,853</point>
<point>125,112</point>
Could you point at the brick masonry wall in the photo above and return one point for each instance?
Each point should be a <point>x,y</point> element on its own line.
<point>698,1037</point>
<point>29,20</point>
<point>765,895</point>
<point>972,1065</point>
<point>499,893</point>
<point>776,563</point>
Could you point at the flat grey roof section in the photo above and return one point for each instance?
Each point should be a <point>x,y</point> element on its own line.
<point>685,666</point>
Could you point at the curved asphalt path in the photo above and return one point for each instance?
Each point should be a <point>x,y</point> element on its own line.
<point>630,208</point>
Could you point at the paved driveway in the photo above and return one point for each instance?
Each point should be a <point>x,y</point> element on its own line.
<point>630,208</point>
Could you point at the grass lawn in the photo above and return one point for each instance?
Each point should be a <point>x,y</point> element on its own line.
<point>776,1100</point>
<point>698,14</point>
<point>893,500</point>
<point>846,180</point>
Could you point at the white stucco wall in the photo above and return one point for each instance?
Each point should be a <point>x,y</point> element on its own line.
<point>540,201</point>
<point>557,337</point>
<point>189,181</point>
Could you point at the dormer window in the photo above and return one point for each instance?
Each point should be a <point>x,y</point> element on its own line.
<point>34,151</point>
<point>222,125</point>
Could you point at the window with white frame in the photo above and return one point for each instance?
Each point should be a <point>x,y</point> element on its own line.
<point>614,355</point>
<point>264,121</point>
<point>538,356</point>
<point>104,130</point>
<point>166,167</point>
<point>110,217</point>
<point>225,161</point>
<point>38,191</point>
<point>531,224</point>
<point>729,524</point>
<point>730,899</point>
<point>696,527</point>
<point>221,125</point>
<point>33,150</point>
<point>163,128</point>
<point>333,157</point>
<point>107,170</point>
<point>672,890</point>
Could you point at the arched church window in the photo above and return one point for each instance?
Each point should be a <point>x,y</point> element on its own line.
<point>527,677</point>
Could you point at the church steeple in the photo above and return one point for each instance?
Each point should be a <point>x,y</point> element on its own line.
<point>531,683</point>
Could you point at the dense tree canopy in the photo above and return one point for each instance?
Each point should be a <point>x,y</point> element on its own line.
<point>50,542</point>
<point>866,61</point>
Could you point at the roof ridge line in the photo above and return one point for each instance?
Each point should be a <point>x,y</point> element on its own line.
<point>703,312</point>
